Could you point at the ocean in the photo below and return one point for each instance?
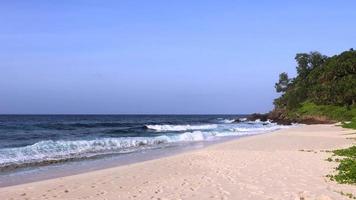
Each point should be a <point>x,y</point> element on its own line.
<point>38,140</point>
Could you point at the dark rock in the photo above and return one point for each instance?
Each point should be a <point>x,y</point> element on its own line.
<point>256,116</point>
<point>315,120</point>
<point>237,120</point>
<point>279,116</point>
<point>283,121</point>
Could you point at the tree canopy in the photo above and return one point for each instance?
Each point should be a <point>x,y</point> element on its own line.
<point>320,79</point>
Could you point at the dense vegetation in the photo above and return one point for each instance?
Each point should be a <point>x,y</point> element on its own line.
<point>346,171</point>
<point>324,87</point>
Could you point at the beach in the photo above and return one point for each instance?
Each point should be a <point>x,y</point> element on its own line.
<point>285,164</point>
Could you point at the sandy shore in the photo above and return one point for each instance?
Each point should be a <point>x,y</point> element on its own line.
<point>269,166</point>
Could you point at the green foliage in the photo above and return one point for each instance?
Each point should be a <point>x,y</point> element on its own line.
<point>321,80</point>
<point>283,82</point>
<point>351,124</point>
<point>349,152</point>
<point>346,171</point>
<point>324,87</point>
<point>308,62</point>
<point>332,112</point>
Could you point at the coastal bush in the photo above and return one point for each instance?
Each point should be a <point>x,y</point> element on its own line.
<point>320,79</point>
<point>346,171</point>
<point>324,88</point>
<point>333,112</point>
<point>349,152</point>
<point>351,124</point>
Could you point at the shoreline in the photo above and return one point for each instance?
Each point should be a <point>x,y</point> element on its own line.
<point>284,164</point>
<point>38,173</point>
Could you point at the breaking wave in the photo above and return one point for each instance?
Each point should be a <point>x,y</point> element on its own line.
<point>227,121</point>
<point>61,150</point>
<point>165,128</point>
<point>51,150</point>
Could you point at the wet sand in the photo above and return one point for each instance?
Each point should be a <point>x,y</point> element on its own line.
<point>286,164</point>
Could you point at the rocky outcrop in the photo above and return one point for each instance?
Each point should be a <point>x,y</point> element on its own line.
<point>258,116</point>
<point>315,120</point>
<point>279,116</point>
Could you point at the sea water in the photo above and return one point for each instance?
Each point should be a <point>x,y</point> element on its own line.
<point>28,141</point>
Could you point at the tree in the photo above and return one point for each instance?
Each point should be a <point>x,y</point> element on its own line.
<point>302,64</point>
<point>283,83</point>
<point>308,62</point>
<point>320,79</point>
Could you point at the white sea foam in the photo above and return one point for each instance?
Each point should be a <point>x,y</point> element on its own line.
<point>258,129</point>
<point>243,119</point>
<point>60,150</point>
<point>165,128</point>
<point>227,121</point>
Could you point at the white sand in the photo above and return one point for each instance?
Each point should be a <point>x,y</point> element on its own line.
<point>269,166</point>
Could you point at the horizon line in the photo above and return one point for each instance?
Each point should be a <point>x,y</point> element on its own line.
<point>123,114</point>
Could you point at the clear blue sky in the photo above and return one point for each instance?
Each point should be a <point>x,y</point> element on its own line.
<point>171,57</point>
